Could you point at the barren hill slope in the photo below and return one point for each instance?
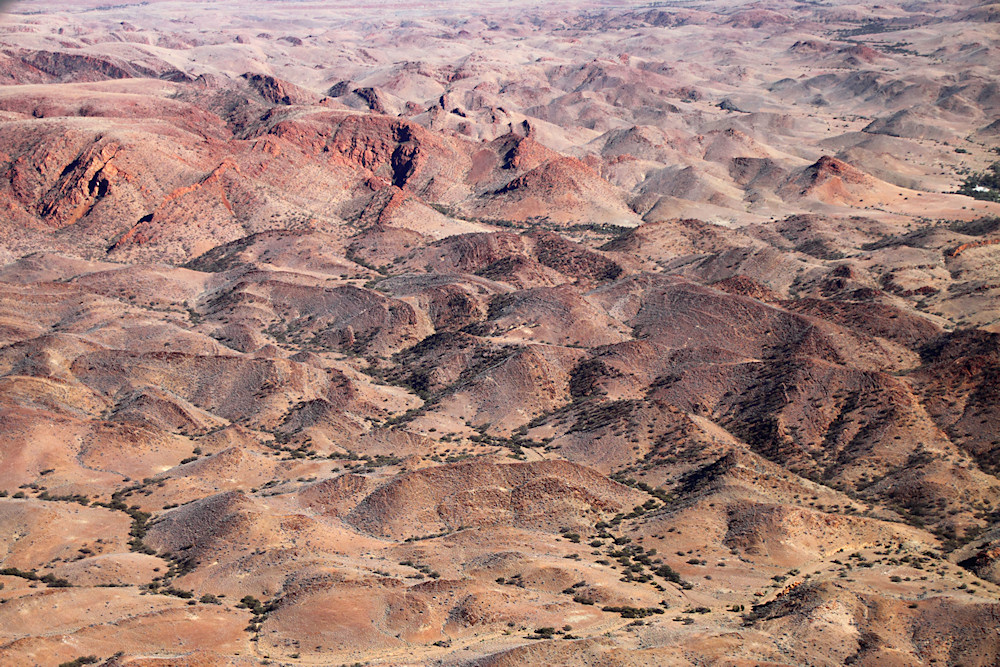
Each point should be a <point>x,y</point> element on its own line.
<point>581,333</point>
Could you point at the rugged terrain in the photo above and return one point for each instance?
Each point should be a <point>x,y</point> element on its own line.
<point>569,333</point>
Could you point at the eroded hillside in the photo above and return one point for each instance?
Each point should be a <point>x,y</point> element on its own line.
<point>578,334</point>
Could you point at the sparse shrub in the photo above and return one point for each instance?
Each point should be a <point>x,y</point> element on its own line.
<point>633,612</point>
<point>79,662</point>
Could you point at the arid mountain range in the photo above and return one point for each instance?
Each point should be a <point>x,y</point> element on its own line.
<point>574,333</point>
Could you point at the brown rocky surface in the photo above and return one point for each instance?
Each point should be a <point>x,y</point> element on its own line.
<point>571,333</point>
